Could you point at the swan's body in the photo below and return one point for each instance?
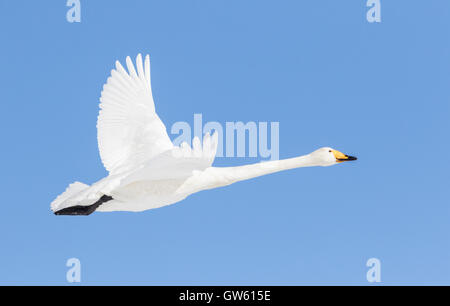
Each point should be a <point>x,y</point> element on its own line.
<point>145,169</point>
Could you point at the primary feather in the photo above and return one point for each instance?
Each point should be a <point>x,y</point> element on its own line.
<point>129,130</point>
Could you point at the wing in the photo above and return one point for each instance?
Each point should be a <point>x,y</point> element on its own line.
<point>178,163</point>
<point>200,156</point>
<point>129,131</point>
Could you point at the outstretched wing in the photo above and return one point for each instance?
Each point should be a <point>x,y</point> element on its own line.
<point>201,156</point>
<point>129,131</point>
<point>178,163</point>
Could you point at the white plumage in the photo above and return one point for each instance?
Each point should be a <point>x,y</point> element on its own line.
<point>129,130</point>
<point>145,169</point>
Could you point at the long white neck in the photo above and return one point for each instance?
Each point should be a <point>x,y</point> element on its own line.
<point>214,177</point>
<point>235,174</point>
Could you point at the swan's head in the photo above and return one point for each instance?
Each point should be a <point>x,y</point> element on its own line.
<point>328,157</point>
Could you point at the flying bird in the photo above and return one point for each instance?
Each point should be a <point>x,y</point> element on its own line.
<point>146,170</point>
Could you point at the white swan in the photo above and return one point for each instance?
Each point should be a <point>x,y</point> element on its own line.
<point>145,169</point>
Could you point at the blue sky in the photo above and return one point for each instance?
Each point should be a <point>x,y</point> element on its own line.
<point>375,90</point>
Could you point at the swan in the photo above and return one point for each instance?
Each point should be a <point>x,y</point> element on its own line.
<point>146,170</point>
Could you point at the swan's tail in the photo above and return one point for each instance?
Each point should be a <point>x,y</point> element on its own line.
<point>69,203</point>
<point>72,190</point>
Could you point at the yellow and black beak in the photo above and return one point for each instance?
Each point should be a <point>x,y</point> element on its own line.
<point>341,157</point>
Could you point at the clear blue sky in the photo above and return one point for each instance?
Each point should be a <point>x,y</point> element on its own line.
<point>378,91</point>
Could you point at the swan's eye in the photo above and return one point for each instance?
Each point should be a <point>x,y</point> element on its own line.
<point>329,151</point>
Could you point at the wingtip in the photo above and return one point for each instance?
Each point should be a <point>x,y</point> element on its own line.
<point>119,66</point>
<point>196,141</point>
<point>128,61</point>
<point>215,135</point>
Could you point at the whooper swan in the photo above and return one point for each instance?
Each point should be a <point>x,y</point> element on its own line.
<point>145,169</point>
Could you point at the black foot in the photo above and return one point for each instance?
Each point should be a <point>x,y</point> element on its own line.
<point>83,210</point>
